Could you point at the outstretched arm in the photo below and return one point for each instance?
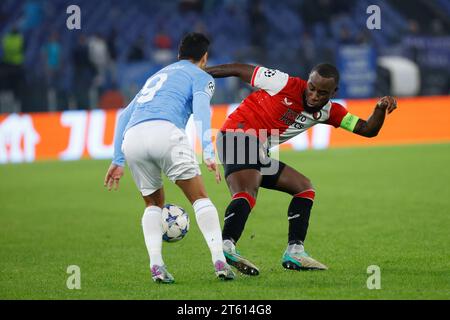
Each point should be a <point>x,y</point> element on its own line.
<point>372,126</point>
<point>202,117</point>
<point>115,170</point>
<point>241,70</point>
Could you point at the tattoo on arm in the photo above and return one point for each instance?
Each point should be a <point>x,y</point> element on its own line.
<point>243,71</point>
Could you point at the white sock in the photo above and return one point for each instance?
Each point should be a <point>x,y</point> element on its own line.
<point>153,231</point>
<point>208,222</point>
<point>229,246</point>
<point>296,248</point>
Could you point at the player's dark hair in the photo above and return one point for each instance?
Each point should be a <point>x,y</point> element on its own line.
<point>327,70</point>
<point>193,46</point>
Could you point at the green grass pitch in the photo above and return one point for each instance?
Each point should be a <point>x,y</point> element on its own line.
<point>385,206</point>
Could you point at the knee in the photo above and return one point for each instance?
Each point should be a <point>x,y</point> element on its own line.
<point>308,184</point>
<point>154,202</point>
<point>253,193</point>
<point>250,198</point>
<point>250,190</point>
<point>304,184</point>
<point>155,199</point>
<point>306,190</point>
<point>195,195</point>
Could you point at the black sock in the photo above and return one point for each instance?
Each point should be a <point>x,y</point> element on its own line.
<point>298,215</point>
<point>235,218</point>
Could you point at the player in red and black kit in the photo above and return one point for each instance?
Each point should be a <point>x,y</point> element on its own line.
<point>282,108</point>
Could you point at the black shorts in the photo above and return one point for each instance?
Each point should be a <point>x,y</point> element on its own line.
<point>239,151</point>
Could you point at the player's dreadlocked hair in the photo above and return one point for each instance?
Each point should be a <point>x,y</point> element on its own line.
<point>327,70</point>
<point>193,46</point>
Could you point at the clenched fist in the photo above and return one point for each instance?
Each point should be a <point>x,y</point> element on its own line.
<point>387,103</point>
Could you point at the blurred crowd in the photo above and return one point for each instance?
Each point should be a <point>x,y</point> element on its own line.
<point>45,73</point>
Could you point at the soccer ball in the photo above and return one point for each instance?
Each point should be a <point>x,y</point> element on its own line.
<point>175,222</point>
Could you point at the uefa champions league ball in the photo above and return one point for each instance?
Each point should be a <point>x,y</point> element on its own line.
<point>175,222</point>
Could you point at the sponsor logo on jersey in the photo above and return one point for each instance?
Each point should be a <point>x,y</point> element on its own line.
<point>286,102</point>
<point>289,117</point>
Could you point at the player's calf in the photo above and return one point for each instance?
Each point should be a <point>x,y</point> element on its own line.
<point>208,222</point>
<point>299,212</point>
<point>236,215</point>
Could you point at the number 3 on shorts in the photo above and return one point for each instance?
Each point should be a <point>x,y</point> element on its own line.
<point>150,88</point>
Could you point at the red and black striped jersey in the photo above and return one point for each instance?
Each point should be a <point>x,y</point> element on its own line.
<point>276,110</point>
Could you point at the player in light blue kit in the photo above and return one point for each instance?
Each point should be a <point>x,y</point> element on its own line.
<point>150,136</point>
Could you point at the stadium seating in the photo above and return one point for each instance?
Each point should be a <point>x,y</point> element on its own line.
<point>228,24</point>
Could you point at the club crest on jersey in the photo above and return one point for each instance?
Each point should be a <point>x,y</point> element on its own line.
<point>270,73</point>
<point>317,115</point>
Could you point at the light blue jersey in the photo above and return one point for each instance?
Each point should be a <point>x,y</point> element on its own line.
<point>173,94</point>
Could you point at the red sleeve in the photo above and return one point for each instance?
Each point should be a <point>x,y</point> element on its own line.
<point>294,86</point>
<point>337,113</point>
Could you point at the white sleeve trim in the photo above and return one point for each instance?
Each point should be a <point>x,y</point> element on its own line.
<point>270,80</point>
